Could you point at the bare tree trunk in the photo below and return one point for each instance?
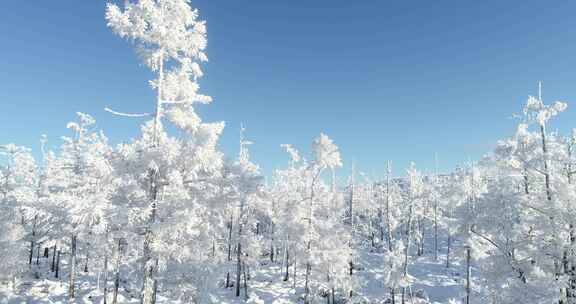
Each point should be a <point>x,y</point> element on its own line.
<point>526,182</point>
<point>155,286</point>
<point>230,224</point>
<point>239,246</point>
<point>351,267</point>
<point>332,294</point>
<point>38,255</point>
<point>32,240</point>
<point>327,294</point>
<point>105,277</point>
<point>149,269</point>
<point>245,284</point>
<point>381,216</point>
<point>238,268</point>
<point>230,238</point>
<point>545,157</point>
<point>119,250</point>
<point>421,231</point>
<point>72,282</point>
<point>388,223</point>
<point>548,189</point>
<point>57,267</point>
<point>571,289</point>
<point>309,241</point>
<point>351,201</point>
<point>351,211</point>
<point>294,279</point>
<point>306,283</point>
<point>436,230</point>
<point>31,253</point>
<point>468,275</point>
<point>448,250</point>
<point>149,272</point>
<point>272,241</point>
<point>88,248</point>
<point>408,239</point>
<point>52,267</point>
<point>287,261</point>
<point>213,246</point>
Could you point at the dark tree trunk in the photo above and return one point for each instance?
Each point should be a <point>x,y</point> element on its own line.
<point>468,258</point>
<point>106,277</point>
<point>435,231</point>
<point>332,294</point>
<point>245,283</point>
<point>86,263</point>
<point>238,268</point>
<point>155,287</point>
<point>31,252</point>
<point>52,267</point>
<point>149,270</point>
<point>448,251</point>
<point>230,224</point>
<point>306,283</point>
<point>213,247</point>
<point>571,270</point>
<point>294,280</point>
<point>57,267</point>
<point>287,261</point>
<point>272,242</point>
<point>32,240</point>
<point>72,282</point>
<point>351,267</point>
<point>119,250</point>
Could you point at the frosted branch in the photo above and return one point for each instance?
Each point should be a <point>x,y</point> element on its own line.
<point>127,114</point>
<point>175,102</point>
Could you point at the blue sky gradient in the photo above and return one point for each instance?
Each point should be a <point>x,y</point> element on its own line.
<point>397,80</point>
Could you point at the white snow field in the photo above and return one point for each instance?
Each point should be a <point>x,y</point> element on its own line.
<point>433,283</point>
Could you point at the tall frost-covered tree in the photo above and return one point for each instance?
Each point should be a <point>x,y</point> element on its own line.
<point>171,41</point>
<point>325,155</point>
<point>247,181</point>
<point>166,171</point>
<point>288,192</point>
<point>525,246</point>
<point>413,196</point>
<point>17,188</point>
<point>393,276</point>
<point>79,179</point>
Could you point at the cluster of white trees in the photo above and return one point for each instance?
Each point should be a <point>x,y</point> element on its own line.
<point>171,215</point>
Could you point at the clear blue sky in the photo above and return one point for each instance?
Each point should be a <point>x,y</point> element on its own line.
<point>394,80</point>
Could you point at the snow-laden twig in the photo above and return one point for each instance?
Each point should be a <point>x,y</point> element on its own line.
<point>127,114</point>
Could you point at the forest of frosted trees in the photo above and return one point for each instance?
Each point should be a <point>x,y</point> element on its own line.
<point>169,219</point>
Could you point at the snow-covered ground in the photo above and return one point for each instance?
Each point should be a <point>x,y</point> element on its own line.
<point>431,278</point>
<point>438,283</point>
<point>40,286</point>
